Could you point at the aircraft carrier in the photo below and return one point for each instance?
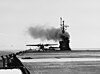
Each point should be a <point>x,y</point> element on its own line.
<point>63,37</point>
<point>53,60</point>
<point>10,62</point>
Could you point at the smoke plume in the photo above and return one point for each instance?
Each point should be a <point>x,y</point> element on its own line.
<point>46,33</point>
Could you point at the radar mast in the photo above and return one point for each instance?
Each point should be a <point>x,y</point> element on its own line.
<point>63,26</point>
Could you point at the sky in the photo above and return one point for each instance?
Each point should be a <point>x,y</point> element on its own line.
<point>82,16</point>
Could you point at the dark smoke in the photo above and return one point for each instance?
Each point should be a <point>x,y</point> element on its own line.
<point>44,33</point>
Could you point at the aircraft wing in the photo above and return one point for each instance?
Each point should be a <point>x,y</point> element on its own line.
<point>41,44</point>
<point>32,45</point>
<point>49,44</point>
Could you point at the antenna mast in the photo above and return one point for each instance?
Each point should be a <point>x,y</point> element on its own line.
<point>62,25</point>
<point>63,29</point>
<point>61,21</point>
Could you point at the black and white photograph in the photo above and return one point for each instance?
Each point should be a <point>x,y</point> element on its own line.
<point>49,36</point>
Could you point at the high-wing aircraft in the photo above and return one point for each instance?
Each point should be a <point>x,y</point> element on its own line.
<point>42,46</point>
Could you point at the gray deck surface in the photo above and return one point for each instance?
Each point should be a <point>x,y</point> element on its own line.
<point>76,67</point>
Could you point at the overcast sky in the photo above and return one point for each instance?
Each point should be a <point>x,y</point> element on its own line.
<point>83,17</point>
